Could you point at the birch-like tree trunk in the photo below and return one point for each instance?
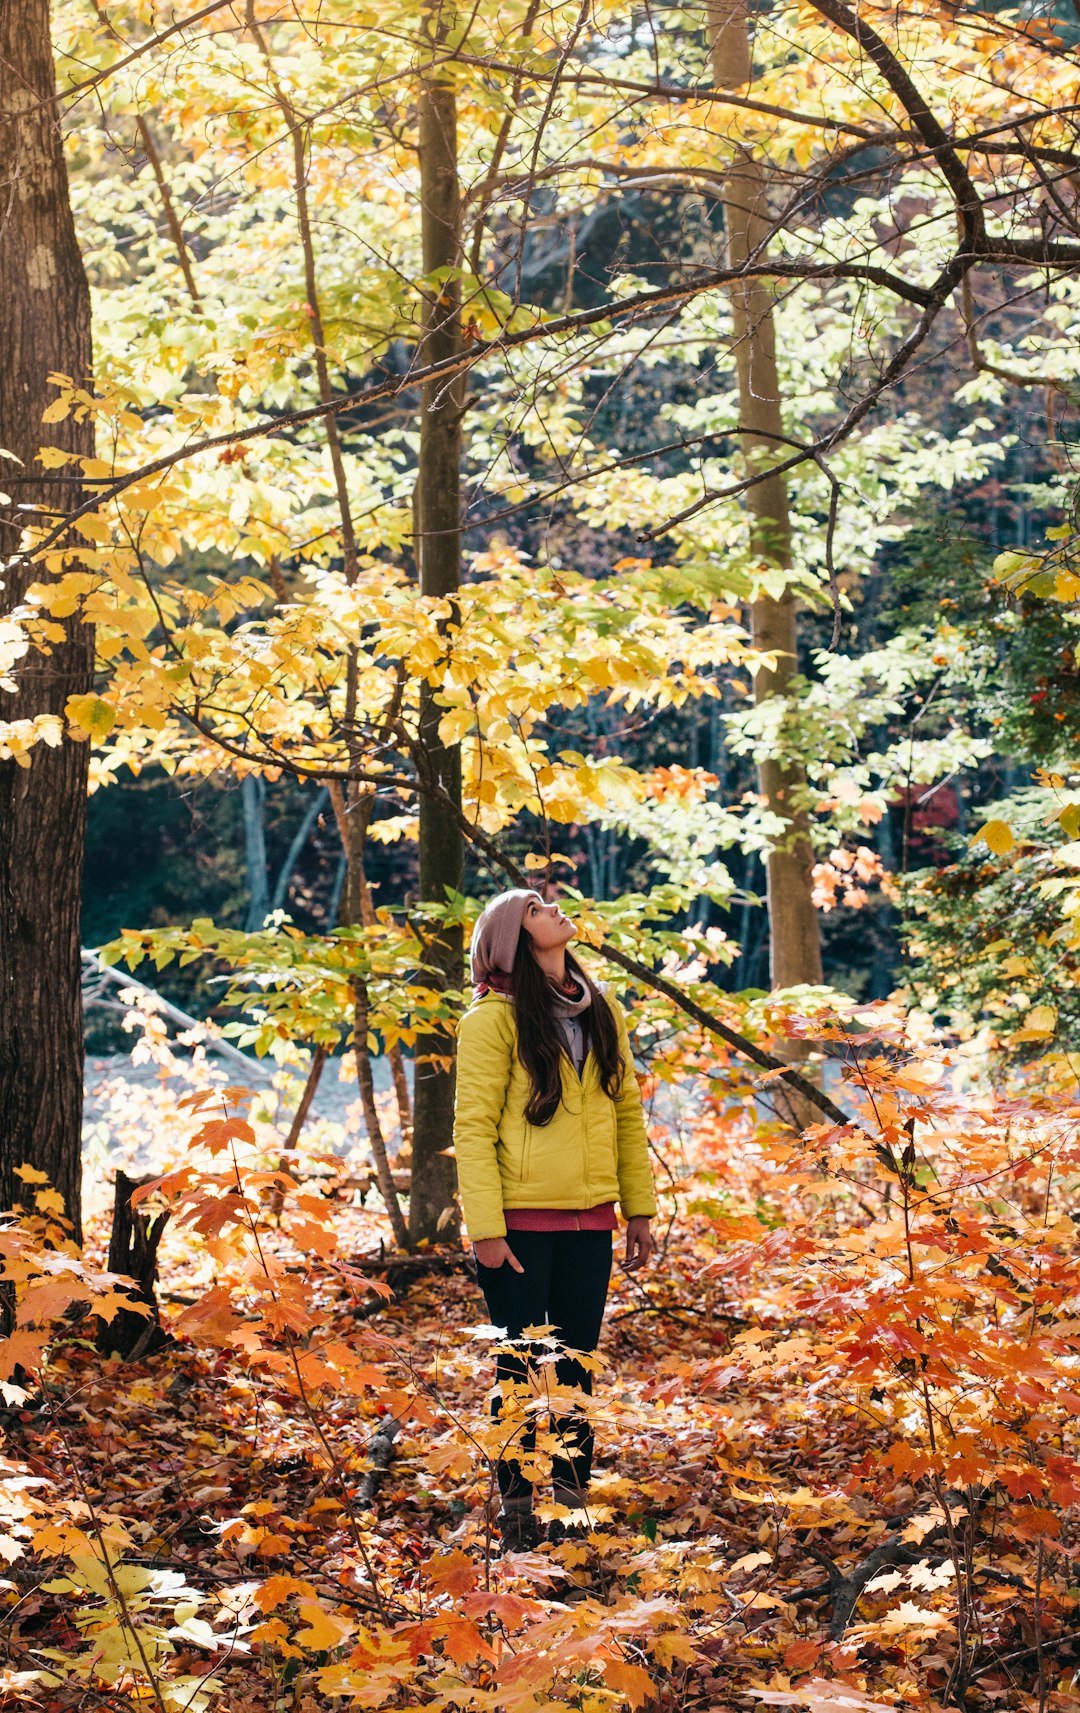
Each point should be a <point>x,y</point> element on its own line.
<point>253,801</point>
<point>44,328</point>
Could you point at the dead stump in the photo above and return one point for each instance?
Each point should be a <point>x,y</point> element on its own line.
<point>133,1248</point>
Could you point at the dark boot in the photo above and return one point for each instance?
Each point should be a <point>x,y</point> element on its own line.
<point>518,1529</point>
<point>573,1528</point>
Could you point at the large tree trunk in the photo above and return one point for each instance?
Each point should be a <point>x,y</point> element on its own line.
<point>438,541</point>
<point>795,943</point>
<point>44,327</point>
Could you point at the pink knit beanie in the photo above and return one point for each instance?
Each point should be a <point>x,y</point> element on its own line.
<point>496,934</point>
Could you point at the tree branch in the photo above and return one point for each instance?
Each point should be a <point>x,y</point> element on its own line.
<point>740,1044</point>
<point>629,310</point>
<point>918,111</point>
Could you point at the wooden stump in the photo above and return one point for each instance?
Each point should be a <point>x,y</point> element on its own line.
<point>133,1248</point>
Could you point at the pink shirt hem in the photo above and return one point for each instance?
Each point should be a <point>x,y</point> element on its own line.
<point>600,1218</point>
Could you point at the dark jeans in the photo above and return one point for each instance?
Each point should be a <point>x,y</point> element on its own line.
<point>564,1285</point>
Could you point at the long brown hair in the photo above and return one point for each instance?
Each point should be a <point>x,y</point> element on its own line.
<point>541,1042</point>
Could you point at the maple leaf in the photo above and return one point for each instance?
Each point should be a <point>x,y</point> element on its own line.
<point>452,1573</point>
<point>630,1681</point>
<point>464,1643</point>
<point>323,1629</point>
<point>275,1590</point>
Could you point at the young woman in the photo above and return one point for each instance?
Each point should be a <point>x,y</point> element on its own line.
<point>549,1134</point>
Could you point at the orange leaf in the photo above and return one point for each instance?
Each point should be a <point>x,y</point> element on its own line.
<point>452,1573</point>
<point>464,1643</point>
<point>629,1680</point>
<point>277,1589</point>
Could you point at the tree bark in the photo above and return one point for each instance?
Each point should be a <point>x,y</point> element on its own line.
<point>133,1248</point>
<point>795,941</point>
<point>253,799</point>
<point>44,327</point>
<point>432,1212</point>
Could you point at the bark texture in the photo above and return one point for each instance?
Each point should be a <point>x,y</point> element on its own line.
<point>794,935</point>
<point>253,802</point>
<point>438,541</point>
<point>133,1250</point>
<point>44,327</point>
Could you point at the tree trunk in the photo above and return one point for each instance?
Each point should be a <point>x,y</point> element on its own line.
<point>44,327</point>
<point>280,895</point>
<point>253,798</point>
<point>353,827</point>
<point>133,1247</point>
<point>795,943</point>
<point>438,541</point>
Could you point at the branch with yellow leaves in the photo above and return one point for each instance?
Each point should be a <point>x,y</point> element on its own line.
<point>740,1044</point>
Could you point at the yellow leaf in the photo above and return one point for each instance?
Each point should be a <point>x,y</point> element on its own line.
<point>1069,820</point>
<point>909,1616</point>
<point>52,457</point>
<point>324,1629</point>
<point>57,411</point>
<point>94,528</point>
<point>998,835</point>
<point>91,715</point>
<point>456,725</point>
<point>672,1645</point>
<point>1039,1025</point>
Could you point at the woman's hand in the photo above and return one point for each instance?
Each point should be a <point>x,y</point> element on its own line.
<point>496,1252</point>
<point>639,1243</point>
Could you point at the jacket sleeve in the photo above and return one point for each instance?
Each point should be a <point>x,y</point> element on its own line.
<point>484,1062</point>
<point>635,1169</point>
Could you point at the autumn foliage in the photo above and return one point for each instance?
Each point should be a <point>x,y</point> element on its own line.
<point>838,1426</point>
<point>839,1463</point>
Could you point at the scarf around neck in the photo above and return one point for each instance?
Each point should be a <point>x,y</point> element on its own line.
<point>570,1001</point>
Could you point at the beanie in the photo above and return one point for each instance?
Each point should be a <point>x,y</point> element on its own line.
<point>495,937</point>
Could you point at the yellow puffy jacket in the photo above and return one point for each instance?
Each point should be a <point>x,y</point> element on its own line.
<point>594,1149</point>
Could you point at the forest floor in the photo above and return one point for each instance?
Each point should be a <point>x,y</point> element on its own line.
<point>222,1482</point>
<point>209,1535</point>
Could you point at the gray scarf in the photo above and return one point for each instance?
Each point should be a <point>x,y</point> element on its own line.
<point>568,1010</point>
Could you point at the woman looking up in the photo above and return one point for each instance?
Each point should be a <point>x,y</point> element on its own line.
<point>549,1133</point>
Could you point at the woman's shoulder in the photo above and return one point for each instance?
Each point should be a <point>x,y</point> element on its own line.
<point>492,1013</point>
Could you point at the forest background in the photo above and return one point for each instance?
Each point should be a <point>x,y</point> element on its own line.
<point>630,451</point>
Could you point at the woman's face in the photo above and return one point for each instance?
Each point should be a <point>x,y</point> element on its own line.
<point>546,925</point>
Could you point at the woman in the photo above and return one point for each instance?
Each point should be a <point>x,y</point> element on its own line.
<point>549,1134</point>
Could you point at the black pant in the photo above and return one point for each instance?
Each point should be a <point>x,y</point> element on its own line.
<point>564,1285</point>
